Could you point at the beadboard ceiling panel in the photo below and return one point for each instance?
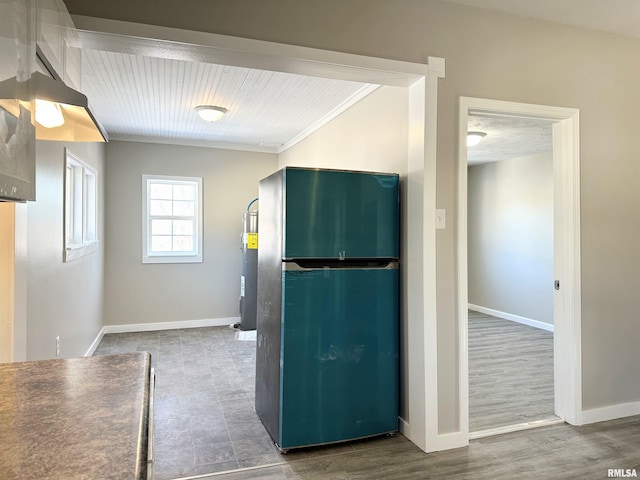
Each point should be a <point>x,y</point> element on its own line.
<point>146,98</point>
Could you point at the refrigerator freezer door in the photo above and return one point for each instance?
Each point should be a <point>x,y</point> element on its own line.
<point>340,214</point>
<point>339,356</point>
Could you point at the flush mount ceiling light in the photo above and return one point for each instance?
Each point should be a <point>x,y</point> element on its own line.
<point>210,113</point>
<point>474,138</point>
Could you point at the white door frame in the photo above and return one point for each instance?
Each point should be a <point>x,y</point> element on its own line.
<point>567,307</point>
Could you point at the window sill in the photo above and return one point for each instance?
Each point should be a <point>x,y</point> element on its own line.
<point>72,252</point>
<point>173,259</point>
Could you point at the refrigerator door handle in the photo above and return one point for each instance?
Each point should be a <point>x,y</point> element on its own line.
<point>294,267</point>
<point>311,265</point>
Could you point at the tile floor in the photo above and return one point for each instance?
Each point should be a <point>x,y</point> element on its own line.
<point>205,418</point>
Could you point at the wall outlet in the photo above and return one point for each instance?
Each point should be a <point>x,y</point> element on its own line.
<point>58,346</point>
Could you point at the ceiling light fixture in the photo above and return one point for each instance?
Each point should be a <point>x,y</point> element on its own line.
<point>474,138</point>
<point>210,113</point>
<point>62,113</point>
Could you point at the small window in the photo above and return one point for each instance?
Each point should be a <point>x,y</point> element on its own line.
<point>80,208</point>
<point>172,219</point>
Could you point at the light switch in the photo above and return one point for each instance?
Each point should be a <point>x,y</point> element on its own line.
<point>440,218</point>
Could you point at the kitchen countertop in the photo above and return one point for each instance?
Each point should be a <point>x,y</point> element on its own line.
<point>78,418</point>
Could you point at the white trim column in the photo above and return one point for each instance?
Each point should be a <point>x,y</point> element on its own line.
<point>20,284</point>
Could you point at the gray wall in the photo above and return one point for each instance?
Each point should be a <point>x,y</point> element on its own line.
<point>488,55</point>
<point>149,293</point>
<point>63,299</point>
<point>510,236</point>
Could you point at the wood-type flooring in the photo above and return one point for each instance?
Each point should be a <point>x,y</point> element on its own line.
<point>510,373</point>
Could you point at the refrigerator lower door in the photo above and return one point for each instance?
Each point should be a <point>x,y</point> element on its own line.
<point>339,355</point>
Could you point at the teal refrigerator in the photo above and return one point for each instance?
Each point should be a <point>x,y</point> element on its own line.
<point>327,321</point>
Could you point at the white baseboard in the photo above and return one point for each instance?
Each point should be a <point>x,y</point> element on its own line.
<point>514,318</point>
<point>95,343</point>
<point>444,441</point>
<point>404,427</point>
<point>611,412</point>
<point>448,441</point>
<point>148,327</point>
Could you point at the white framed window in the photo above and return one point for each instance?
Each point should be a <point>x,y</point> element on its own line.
<point>171,219</point>
<point>80,208</point>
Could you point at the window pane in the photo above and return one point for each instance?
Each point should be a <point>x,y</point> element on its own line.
<point>184,192</point>
<point>160,243</point>
<point>90,204</point>
<point>80,203</point>
<point>183,227</point>
<point>183,244</point>
<point>172,219</point>
<point>161,227</point>
<point>183,209</point>
<point>160,191</point>
<point>161,207</point>
<point>68,205</point>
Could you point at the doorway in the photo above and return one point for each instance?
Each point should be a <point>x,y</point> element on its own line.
<point>566,254</point>
<point>510,272</point>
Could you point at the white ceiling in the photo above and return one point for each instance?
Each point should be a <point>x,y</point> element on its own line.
<point>508,137</point>
<point>138,95</point>
<point>147,98</point>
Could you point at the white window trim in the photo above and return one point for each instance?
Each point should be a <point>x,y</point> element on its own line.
<point>171,257</point>
<point>85,210</point>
